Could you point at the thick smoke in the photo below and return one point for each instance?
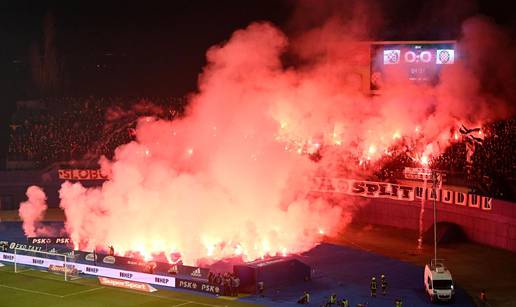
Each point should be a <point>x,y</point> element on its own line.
<point>216,183</point>
<point>32,211</point>
<point>232,176</point>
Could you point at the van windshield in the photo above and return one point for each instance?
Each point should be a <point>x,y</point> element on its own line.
<point>443,284</point>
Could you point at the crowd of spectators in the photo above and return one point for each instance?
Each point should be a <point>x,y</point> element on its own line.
<point>228,282</point>
<point>71,128</point>
<point>486,164</point>
<point>83,129</point>
<point>493,164</point>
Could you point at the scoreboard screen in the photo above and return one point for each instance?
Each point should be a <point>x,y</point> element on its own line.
<point>418,62</point>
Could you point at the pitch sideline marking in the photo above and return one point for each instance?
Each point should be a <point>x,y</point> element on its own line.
<point>31,291</point>
<point>83,291</point>
<point>73,278</point>
<point>169,298</point>
<point>185,302</point>
<point>26,270</point>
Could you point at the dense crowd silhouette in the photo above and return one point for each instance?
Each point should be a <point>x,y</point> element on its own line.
<point>486,165</point>
<point>83,129</point>
<point>70,128</point>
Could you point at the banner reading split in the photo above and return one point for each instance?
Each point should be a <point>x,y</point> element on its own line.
<point>371,189</point>
<point>81,174</point>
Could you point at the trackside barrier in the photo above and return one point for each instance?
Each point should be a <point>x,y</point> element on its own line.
<point>164,281</point>
<point>126,284</point>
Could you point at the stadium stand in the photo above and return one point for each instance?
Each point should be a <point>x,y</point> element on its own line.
<point>70,128</point>
<point>67,129</point>
<point>491,169</point>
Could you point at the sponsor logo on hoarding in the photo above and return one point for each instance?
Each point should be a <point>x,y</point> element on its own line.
<point>8,257</point>
<point>133,285</point>
<point>173,270</point>
<point>109,259</point>
<point>14,245</point>
<point>70,269</point>
<point>210,288</point>
<point>161,280</point>
<point>40,240</point>
<point>90,257</point>
<point>49,240</point>
<point>196,273</point>
<point>197,286</point>
<point>92,270</point>
<point>188,284</point>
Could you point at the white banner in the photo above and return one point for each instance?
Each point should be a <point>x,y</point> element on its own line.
<point>371,189</point>
<point>91,270</point>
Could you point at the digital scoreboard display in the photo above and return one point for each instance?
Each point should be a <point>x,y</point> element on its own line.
<point>419,62</point>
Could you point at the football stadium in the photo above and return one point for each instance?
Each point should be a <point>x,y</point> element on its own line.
<point>260,153</point>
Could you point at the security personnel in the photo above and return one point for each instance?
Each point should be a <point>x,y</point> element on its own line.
<point>483,298</point>
<point>373,286</point>
<point>333,299</point>
<point>261,288</point>
<point>383,284</point>
<point>344,302</point>
<point>305,299</point>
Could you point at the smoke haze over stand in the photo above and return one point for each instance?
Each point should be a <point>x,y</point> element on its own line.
<point>32,212</point>
<point>231,177</point>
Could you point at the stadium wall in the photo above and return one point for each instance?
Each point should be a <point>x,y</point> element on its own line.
<point>45,263</point>
<point>14,184</point>
<point>496,227</point>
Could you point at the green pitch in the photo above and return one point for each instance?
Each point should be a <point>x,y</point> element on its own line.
<point>40,288</point>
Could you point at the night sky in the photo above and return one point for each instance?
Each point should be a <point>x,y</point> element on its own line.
<point>115,48</point>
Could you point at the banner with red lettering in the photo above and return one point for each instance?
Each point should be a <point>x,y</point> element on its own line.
<point>371,189</point>
<point>81,174</point>
<point>126,284</point>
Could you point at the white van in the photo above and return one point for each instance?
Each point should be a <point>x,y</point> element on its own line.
<point>438,282</point>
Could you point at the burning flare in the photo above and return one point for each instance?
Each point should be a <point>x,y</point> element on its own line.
<point>232,176</point>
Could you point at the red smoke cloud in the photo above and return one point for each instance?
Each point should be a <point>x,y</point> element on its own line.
<point>232,177</point>
<point>216,183</point>
<point>32,212</point>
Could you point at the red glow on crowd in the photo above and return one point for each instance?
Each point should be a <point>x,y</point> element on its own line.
<point>232,176</point>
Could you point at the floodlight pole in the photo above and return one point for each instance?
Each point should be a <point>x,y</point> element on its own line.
<point>421,212</point>
<point>434,190</point>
